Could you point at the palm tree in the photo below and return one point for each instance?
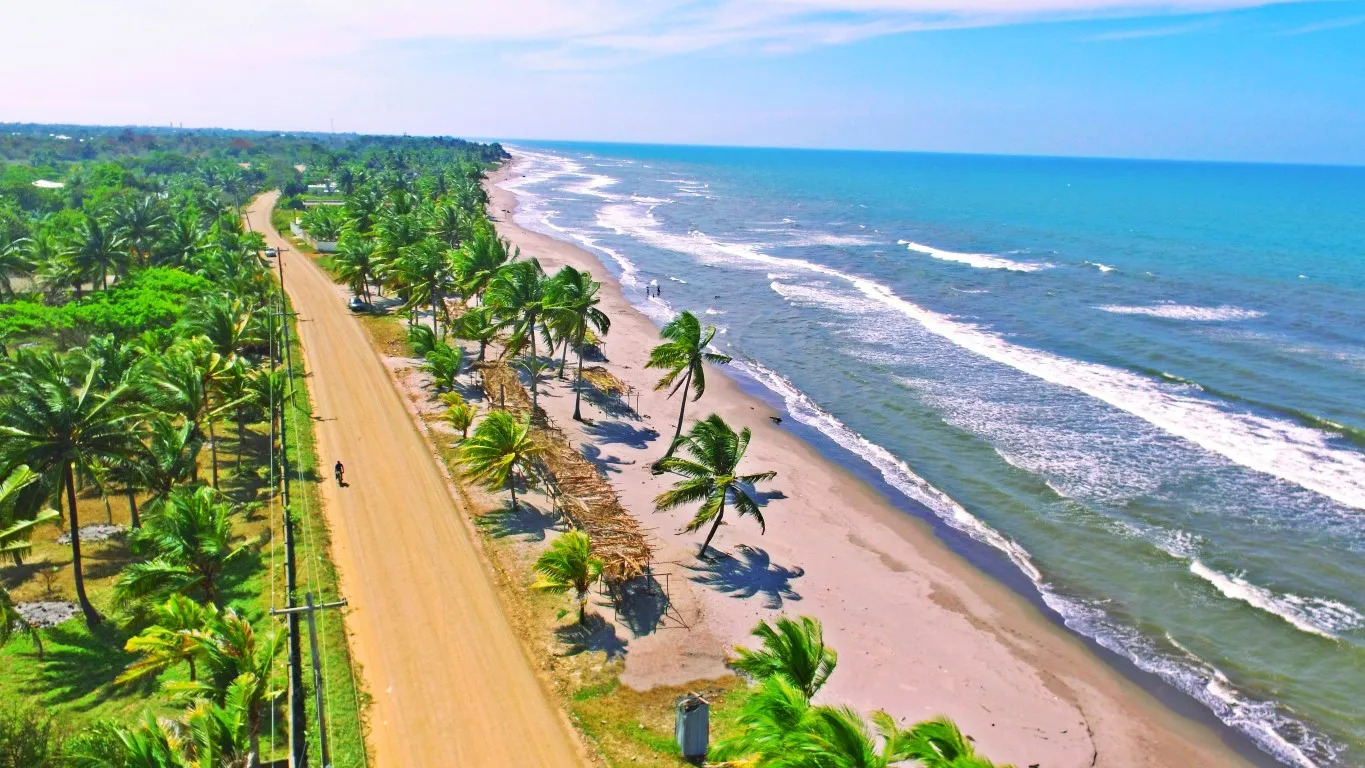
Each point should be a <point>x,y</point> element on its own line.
<point>569,564</point>
<point>354,261</point>
<point>174,637</point>
<point>461,416</point>
<point>424,270</point>
<point>98,248</point>
<point>181,241</point>
<point>191,542</point>
<point>773,727</point>
<point>710,477</point>
<point>138,220</point>
<point>683,355</point>
<point>57,428</point>
<point>499,447</point>
<point>186,382</point>
<point>228,324</point>
<point>478,325</point>
<point>14,262</point>
<point>11,619</point>
<point>22,509</point>
<point>443,364</point>
<point>517,293</point>
<point>240,662</point>
<point>792,649</point>
<point>573,305</point>
<point>480,258</point>
<point>448,224</point>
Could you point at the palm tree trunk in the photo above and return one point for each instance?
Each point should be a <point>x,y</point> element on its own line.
<point>715,526</point>
<point>193,671</point>
<point>534,357</point>
<point>37,636</point>
<point>133,519</point>
<point>564,358</point>
<point>512,484</point>
<point>582,607</point>
<point>108,511</point>
<point>578,386</point>
<point>241,430</point>
<point>687,382</point>
<point>213,453</point>
<point>92,617</point>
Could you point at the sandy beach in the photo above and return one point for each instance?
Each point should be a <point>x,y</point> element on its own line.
<point>920,631</point>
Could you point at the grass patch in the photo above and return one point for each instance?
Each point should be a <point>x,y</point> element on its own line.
<point>345,701</point>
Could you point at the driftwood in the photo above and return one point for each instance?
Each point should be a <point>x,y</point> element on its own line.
<point>578,489</point>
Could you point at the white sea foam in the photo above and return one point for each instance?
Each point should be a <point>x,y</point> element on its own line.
<point>677,279</point>
<point>1185,312</point>
<point>1262,721</point>
<point>1285,449</point>
<point>830,239</point>
<point>711,311</point>
<point>978,260</point>
<point>1309,614</point>
<point>593,184</point>
<point>1099,266</point>
<point>893,470</point>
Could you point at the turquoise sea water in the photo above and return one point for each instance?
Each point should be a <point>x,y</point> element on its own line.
<point>1136,385</point>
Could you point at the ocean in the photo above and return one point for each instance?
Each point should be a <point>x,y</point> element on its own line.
<point>1135,386</point>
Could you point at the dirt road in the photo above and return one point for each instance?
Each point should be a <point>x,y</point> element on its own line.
<point>451,683</point>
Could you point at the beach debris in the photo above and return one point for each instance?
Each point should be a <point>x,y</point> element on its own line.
<point>97,532</point>
<point>578,490</point>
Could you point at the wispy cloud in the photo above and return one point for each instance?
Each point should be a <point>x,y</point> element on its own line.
<point>132,37</point>
<point>1169,30</point>
<point>1324,26</point>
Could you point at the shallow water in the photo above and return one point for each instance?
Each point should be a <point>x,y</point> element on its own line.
<point>1140,382</point>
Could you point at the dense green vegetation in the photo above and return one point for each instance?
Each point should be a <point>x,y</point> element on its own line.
<point>140,341</point>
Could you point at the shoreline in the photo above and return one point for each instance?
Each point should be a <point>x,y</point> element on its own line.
<point>924,626</point>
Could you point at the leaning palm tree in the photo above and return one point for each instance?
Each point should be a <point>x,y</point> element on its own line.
<point>499,448</point>
<point>683,356</point>
<point>573,304</point>
<point>191,542</point>
<point>710,477</point>
<point>569,564</point>
<point>792,649</point>
<point>517,295</point>
<point>58,428</point>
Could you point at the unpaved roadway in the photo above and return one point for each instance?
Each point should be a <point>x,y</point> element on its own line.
<point>451,683</point>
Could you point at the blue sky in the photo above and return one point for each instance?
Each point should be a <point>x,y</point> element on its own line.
<point>1198,79</point>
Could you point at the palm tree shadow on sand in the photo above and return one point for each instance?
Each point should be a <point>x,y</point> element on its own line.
<point>750,574</point>
<point>526,520</point>
<point>595,633</point>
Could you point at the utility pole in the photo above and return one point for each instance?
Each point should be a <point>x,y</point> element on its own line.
<point>310,610</point>
<point>298,745</point>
